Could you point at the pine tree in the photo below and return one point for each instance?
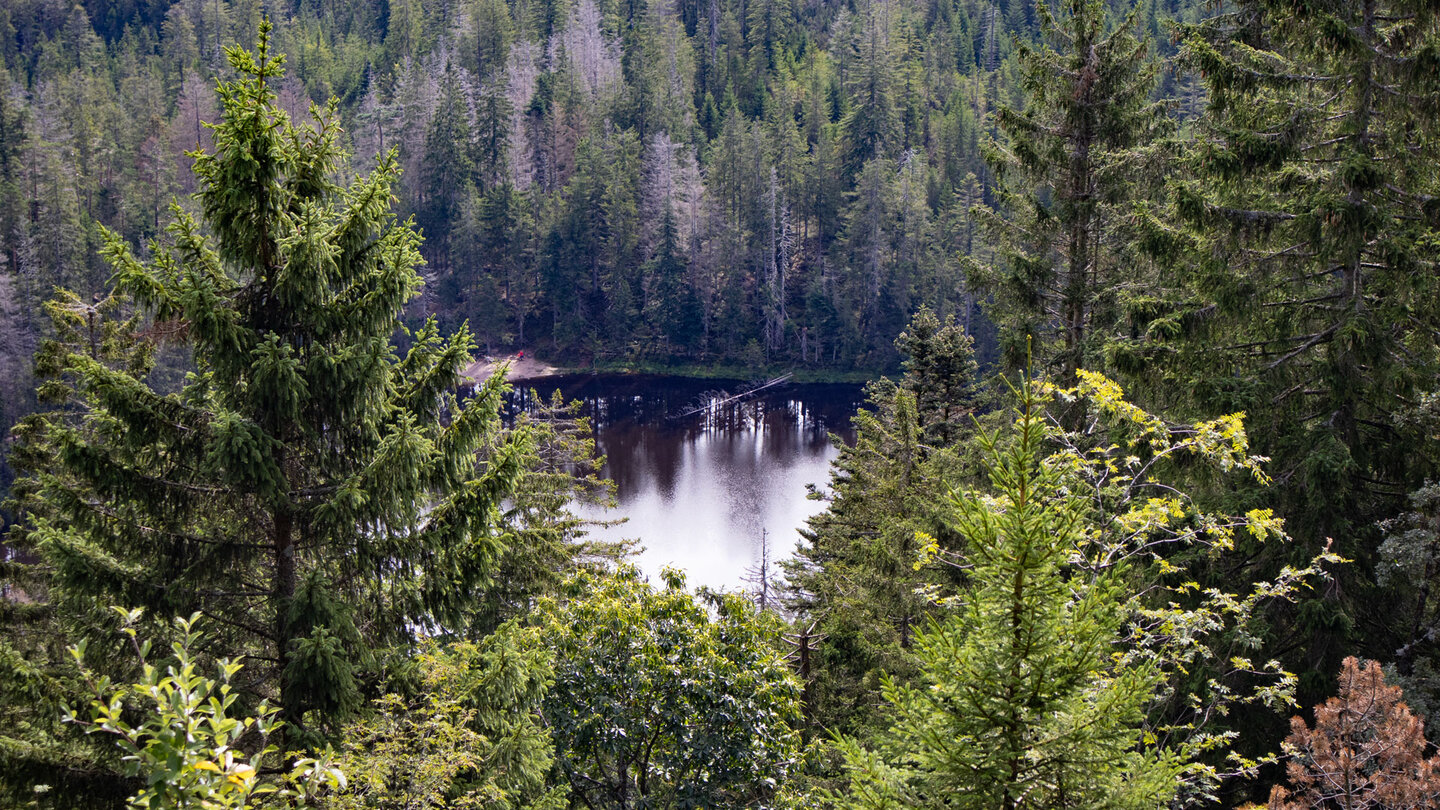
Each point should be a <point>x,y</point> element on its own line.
<point>311,493</point>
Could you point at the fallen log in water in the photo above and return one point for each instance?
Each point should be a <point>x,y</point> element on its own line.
<point>722,399</point>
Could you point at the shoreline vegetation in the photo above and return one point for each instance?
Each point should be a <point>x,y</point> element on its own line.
<point>527,368</point>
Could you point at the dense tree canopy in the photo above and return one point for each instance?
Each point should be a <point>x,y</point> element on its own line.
<point>311,493</point>
<point>658,703</point>
<point>261,311</point>
<point>1023,700</point>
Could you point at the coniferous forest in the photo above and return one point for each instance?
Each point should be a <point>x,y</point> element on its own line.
<point>1140,510</point>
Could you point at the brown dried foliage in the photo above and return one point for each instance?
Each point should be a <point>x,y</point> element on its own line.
<point>1366,751</point>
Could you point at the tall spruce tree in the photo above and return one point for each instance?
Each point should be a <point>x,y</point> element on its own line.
<point>1312,213</point>
<point>1065,166</point>
<point>1075,663</point>
<point>853,580</point>
<point>314,495</point>
<point>1023,698</point>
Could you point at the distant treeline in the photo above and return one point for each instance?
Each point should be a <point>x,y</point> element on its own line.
<point>703,180</point>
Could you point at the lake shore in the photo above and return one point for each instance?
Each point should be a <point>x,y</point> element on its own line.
<point>521,368</point>
<point>530,368</point>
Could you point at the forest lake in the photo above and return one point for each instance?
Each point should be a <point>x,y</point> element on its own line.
<point>706,471</point>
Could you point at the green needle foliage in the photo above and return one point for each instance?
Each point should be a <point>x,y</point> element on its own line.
<point>1315,218</point>
<point>1305,234</point>
<point>314,495</point>
<point>1078,664</point>
<point>1068,164</point>
<point>853,583</point>
<point>1023,701</point>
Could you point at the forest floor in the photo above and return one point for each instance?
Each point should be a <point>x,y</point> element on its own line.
<point>521,368</point>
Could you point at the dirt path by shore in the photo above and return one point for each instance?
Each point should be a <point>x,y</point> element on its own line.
<point>521,368</point>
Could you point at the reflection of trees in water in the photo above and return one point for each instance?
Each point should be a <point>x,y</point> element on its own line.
<point>645,444</point>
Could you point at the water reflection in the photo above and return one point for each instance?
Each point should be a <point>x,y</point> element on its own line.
<point>700,477</point>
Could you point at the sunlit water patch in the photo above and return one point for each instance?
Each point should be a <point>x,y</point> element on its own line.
<point>701,474</point>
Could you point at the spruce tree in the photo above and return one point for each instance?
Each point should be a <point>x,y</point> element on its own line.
<point>871,123</point>
<point>854,580</point>
<point>1023,696</point>
<point>1065,166</point>
<point>1309,214</point>
<point>311,493</point>
<point>447,168</point>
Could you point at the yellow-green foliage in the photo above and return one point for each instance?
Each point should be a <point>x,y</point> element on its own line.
<point>472,737</point>
<point>187,750</point>
<point>1080,661</point>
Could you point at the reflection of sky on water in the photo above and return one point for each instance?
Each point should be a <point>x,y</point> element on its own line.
<point>699,490</point>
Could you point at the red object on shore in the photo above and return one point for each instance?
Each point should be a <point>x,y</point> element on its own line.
<point>521,355</point>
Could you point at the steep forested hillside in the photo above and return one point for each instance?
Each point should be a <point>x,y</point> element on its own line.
<point>696,181</point>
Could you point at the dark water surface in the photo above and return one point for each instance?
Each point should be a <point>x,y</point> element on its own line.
<point>699,478</point>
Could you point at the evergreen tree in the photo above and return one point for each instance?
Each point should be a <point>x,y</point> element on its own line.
<point>1023,700</point>
<point>314,495</point>
<point>494,33</point>
<point>182,744</point>
<point>1311,209</point>
<point>670,302</point>
<point>471,736</point>
<point>866,291</point>
<point>871,125</point>
<point>492,135</point>
<point>16,295</point>
<point>1064,167</point>
<point>854,579</point>
<point>447,165</point>
<point>37,675</point>
<point>941,374</point>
